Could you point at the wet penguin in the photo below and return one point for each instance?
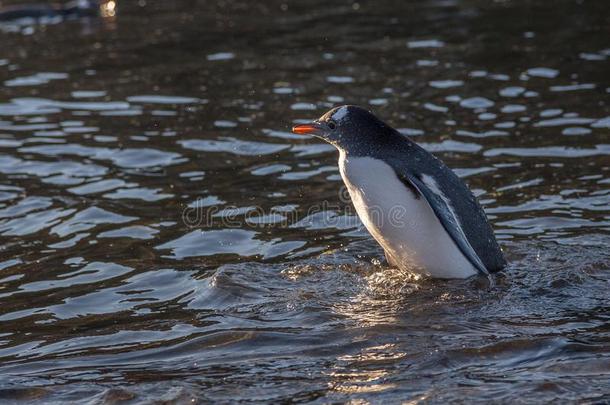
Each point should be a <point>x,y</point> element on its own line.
<point>420,212</point>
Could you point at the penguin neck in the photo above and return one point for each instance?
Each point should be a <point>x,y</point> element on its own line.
<point>360,149</point>
<point>371,146</point>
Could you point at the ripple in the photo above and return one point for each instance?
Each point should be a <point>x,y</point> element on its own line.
<point>556,122</point>
<point>225,124</point>
<point>378,101</point>
<point>89,274</point>
<point>547,203</point>
<point>88,93</point>
<point>284,90</point>
<point>513,108</point>
<point>410,131</point>
<point>544,72</point>
<point>66,169</point>
<point>161,99</point>
<point>132,232</point>
<point>476,102</point>
<point>339,79</point>
<point>234,146</point>
<point>33,222</point>
<point>97,186</point>
<point>221,56</point>
<point>451,146</point>
<point>28,204</point>
<point>542,224</point>
<point>28,127</point>
<point>601,123</point>
<point>281,134</point>
<point>36,79</point>
<point>435,108</point>
<point>306,174</point>
<point>446,84</point>
<point>484,134</point>
<point>550,151</point>
<point>88,219</point>
<point>271,169</point>
<point>226,241</point>
<point>571,131</point>
<point>327,220</point>
<point>512,91</point>
<point>425,43</point>
<point>208,201</point>
<point>427,62</point>
<point>138,193</point>
<point>520,185</point>
<point>313,149</point>
<point>127,158</point>
<point>9,263</point>
<point>303,107</point>
<point>551,112</point>
<point>592,56</point>
<point>573,87</point>
<point>42,105</point>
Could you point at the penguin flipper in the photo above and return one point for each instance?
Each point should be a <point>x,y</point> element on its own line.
<point>444,212</point>
<point>389,259</point>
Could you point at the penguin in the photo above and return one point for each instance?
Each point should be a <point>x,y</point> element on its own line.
<point>421,213</point>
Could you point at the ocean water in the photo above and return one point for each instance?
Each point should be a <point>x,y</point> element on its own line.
<point>164,238</point>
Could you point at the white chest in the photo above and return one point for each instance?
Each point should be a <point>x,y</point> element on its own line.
<point>403,224</point>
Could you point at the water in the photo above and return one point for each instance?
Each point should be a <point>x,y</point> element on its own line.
<point>166,238</point>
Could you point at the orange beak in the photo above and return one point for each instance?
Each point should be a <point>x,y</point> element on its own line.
<point>309,129</point>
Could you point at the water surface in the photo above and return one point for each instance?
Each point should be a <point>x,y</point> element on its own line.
<point>164,237</point>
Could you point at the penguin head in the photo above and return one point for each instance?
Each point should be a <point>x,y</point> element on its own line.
<point>348,127</point>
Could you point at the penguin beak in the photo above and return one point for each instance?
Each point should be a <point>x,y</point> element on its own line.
<point>314,128</point>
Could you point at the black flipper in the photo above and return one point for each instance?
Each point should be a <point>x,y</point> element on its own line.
<point>389,259</point>
<point>444,212</point>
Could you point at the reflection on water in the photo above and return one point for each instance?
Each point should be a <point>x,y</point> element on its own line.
<point>28,17</point>
<point>165,237</point>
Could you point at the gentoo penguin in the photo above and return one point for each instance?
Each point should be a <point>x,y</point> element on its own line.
<point>424,217</point>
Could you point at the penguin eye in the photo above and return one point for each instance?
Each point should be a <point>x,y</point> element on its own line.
<point>331,124</point>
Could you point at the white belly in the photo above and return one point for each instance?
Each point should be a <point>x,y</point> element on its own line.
<point>406,227</point>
